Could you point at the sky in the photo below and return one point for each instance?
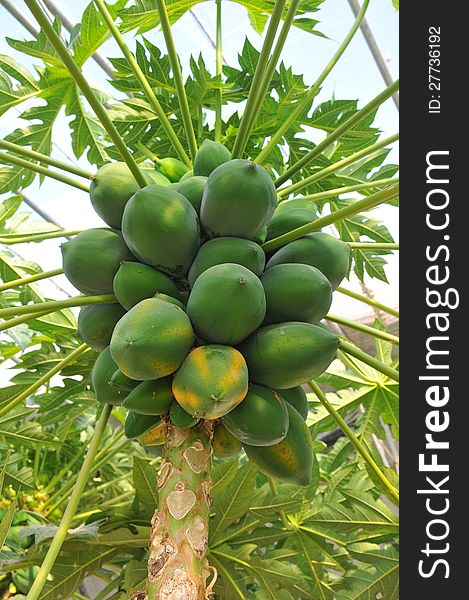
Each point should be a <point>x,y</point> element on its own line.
<point>356,76</point>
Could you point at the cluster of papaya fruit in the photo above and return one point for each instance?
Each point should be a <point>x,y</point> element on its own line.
<point>206,326</point>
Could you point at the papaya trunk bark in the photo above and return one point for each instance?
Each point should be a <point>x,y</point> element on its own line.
<point>177,564</point>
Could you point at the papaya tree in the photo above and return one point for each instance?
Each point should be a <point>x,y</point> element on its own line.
<point>206,427</point>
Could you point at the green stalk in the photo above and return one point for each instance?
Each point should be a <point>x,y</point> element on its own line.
<point>272,64</point>
<point>219,72</point>
<point>377,333</point>
<point>371,361</point>
<point>146,87</point>
<point>6,325</point>
<point>369,301</point>
<point>314,90</point>
<point>48,160</point>
<point>179,533</point>
<point>373,246</point>
<point>29,279</point>
<point>256,85</point>
<point>32,166</point>
<point>337,133</point>
<point>177,74</point>
<point>352,209</point>
<point>57,304</point>
<point>61,534</point>
<point>340,164</point>
<point>42,380</point>
<point>75,72</point>
<point>354,440</point>
<point>25,239</point>
<point>349,188</point>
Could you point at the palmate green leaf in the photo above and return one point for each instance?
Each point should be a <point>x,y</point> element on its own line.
<point>379,579</point>
<point>93,31</point>
<point>223,473</point>
<point>72,566</point>
<point>16,84</point>
<point>144,478</point>
<point>233,502</point>
<point>40,47</point>
<point>25,434</point>
<point>143,16</point>
<point>232,581</point>
<point>6,522</point>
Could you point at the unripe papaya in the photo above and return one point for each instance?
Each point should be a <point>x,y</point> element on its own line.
<point>296,292</point>
<point>261,235</point>
<point>227,250</point>
<point>92,258</point>
<point>211,381</point>
<point>151,397</point>
<point>153,176</point>
<point>261,419</point>
<point>161,228</point>
<point>239,199</point>
<point>226,304</point>
<point>293,204</point>
<point>151,340</point>
<point>111,189</point>
<point>135,282</point>
<point>224,443</point>
<point>101,375</point>
<point>192,188</point>
<point>186,175</point>
<point>180,417</point>
<point>155,436</point>
<point>321,250</point>
<point>289,220</point>
<point>291,460</point>
<point>172,168</point>
<point>288,354</point>
<point>170,299</point>
<point>210,156</point>
<point>96,324</point>
<point>122,382</point>
<point>136,425</point>
<point>296,396</point>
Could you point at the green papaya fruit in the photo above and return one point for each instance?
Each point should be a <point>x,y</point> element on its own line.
<point>296,292</point>
<point>192,188</point>
<point>321,250</point>
<point>101,375</point>
<point>261,419</point>
<point>296,396</point>
<point>261,235</point>
<point>154,177</point>
<point>224,443</point>
<point>92,258</point>
<point>291,460</point>
<point>180,417</point>
<point>122,382</point>
<point>135,282</point>
<point>96,324</point>
<point>172,168</point>
<point>284,205</point>
<point>136,425</point>
<point>110,190</point>
<point>288,354</point>
<point>161,228</point>
<point>239,199</point>
<point>170,299</point>
<point>212,380</point>
<point>226,304</point>
<point>187,175</point>
<point>289,220</point>
<point>227,250</point>
<point>152,397</point>
<point>151,340</point>
<point>210,156</point>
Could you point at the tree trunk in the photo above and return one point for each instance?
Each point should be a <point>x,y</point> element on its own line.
<point>177,566</point>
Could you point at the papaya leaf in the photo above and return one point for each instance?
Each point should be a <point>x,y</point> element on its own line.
<point>144,477</point>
